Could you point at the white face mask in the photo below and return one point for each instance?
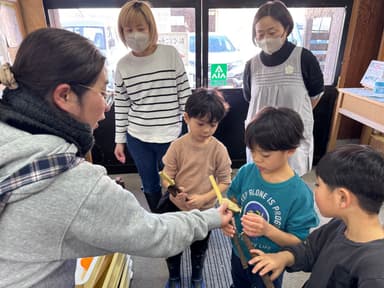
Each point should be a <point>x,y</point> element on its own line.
<point>270,45</point>
<point>137,41</point>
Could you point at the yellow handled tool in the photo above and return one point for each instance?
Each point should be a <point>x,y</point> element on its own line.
<point>172,188</point>
<point>231,205</point>
<point>164,176</point>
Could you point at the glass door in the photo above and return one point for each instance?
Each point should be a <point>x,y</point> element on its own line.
<point>212,35</point>
<point>177,24</point>
<point>318,26</point>
<point>214,39</point>
<point>97,21</point>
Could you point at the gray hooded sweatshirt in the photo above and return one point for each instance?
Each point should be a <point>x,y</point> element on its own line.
<point>79,213</point>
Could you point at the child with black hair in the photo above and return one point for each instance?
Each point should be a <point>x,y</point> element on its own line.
<point>277,205</point>
<point>190,160</point>
<point>349,250</point>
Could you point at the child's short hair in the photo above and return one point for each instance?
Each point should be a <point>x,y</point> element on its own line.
<point>131,12</point>
<point>205,102</point>
<point>275,129</point>
<point>358,168</point>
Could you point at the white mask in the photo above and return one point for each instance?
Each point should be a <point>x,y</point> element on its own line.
<point>271,45</point>
<point>137,41</point>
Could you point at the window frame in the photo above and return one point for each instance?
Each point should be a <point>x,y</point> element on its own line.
<point>201,12</point>
<point>61,4</point>
<point>212,4</point>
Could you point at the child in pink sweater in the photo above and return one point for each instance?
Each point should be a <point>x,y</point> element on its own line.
<point>189,161</point>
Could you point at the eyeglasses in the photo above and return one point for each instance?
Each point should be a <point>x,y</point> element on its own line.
<point>108,95</point>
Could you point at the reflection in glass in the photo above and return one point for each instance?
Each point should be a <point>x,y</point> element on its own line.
<point>230,43</point>
<point>99,25</point>
<point>317,29</point>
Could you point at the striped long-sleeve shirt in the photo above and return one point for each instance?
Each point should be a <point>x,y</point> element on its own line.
<point>151,95</point>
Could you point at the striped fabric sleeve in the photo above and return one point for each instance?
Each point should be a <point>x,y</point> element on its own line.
<point>183,87</point>
<point>122,105</point>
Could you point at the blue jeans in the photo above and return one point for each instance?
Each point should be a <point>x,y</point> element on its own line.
<point>147,157</point>
<point>245,278</point>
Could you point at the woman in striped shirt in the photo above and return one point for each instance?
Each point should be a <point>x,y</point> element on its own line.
<point>152,88</point>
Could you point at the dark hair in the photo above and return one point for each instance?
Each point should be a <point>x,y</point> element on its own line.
<point>278,11</point>
<point>50,56</point>
<point>275,129</point>
<point>358,168</point>
<point>206,102</point>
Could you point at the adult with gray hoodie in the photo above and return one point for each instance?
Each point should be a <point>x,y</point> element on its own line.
<point>54,206</point>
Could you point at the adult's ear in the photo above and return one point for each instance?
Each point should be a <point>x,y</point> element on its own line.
<point>64,97</point>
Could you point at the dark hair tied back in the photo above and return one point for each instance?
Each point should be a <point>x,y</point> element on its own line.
<point>50,56</point>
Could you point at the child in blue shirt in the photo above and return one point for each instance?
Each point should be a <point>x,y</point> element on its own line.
<point>348,251</point>
<point>277,205</point>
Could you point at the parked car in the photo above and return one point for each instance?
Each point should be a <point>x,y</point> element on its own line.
<point>102,35</point>
<point>221,50</point>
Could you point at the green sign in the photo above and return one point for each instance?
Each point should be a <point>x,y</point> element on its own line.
<point>218,75</point>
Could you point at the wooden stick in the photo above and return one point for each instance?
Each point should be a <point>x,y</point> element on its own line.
<point>266,279</point>
<point>243,259</point>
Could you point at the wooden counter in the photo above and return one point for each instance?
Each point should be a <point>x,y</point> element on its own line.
<point>361,105</point>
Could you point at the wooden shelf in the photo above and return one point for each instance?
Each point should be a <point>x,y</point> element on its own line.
<point>362,106</point>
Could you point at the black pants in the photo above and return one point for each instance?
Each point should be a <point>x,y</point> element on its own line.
<point>198,253</point>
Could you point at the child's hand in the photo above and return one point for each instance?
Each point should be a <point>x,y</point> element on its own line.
<point>275,262</point>
<point>226,215</point>
<point>181,195</point>
<point>180,200</point>
<point>229,229</point>
<point>195,201</point>
<point>254,225</point>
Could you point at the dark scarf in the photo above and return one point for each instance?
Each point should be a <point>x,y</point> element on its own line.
<point>22,110</point>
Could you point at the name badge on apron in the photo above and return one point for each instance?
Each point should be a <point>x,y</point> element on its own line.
<point>289,69</point>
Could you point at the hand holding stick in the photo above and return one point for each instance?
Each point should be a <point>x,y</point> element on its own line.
<point>266,279</point>
<point>172,188</point>
<point>235,209</point>
<point>231,205</point>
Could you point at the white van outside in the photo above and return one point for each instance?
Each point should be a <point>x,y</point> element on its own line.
<point>102,34</point>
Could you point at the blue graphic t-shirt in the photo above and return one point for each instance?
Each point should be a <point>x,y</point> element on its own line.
<point>287,205</point>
